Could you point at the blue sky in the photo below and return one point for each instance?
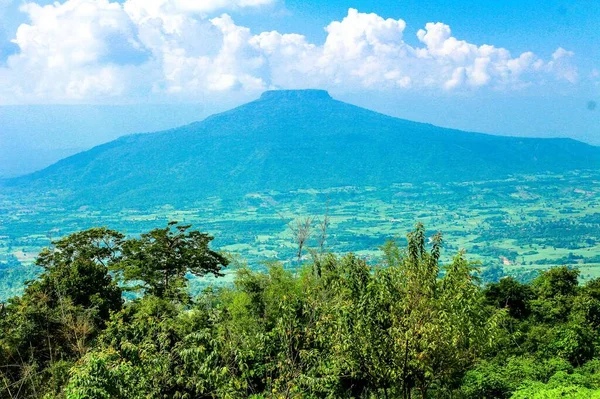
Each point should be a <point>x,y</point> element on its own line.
<point>519,25</point>
<point>504,67</point>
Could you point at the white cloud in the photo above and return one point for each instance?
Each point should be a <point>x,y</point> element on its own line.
<point>95,50</point>
<point>365,50</point>
<point>561,65</point>
<point>159,8</point>
<point>232,66</point>
<point>70,51</point>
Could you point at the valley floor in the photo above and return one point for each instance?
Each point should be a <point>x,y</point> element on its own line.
<point>513,226</point>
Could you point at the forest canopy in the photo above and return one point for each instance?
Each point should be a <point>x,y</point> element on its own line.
<point>111,317</point>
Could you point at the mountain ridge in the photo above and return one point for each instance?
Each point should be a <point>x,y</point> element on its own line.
<point>293,139</point>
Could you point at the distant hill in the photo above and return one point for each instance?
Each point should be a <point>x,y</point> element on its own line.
<point>288,140</point>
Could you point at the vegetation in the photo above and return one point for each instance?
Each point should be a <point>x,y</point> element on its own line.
<point>289,140</point>
<point>408,326</point>
<point>513,226</point>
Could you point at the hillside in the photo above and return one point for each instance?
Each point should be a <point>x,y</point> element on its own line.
<point>288,140</point>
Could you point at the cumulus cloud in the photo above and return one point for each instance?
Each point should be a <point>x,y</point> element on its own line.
<point>366,50</point>
<point>98,49</point>
<point>562,66</point>
<point>70,50</point>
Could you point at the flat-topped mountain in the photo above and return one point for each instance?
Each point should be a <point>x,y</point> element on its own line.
<point>288,140</point>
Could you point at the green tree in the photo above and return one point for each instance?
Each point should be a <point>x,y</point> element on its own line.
<point>510,294</point>
<point>497,378</point>
<point>158,261</point>
<point>59,315</point>
<point>76,267</point>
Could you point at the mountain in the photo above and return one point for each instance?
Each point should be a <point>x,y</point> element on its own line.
<point>288,140</point>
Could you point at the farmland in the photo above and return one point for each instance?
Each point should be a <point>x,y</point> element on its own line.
<point>512,226</point>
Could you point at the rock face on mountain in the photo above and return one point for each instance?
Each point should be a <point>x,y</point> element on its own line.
<point>288,140</point>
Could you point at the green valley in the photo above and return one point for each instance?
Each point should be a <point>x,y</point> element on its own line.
<point>513,226</point>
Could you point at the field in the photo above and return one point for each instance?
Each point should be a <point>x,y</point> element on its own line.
<point>512,226</point>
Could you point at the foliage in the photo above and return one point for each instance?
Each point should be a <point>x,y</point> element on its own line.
<point>57,319</point>
<point>338,327</point>
<point>159,260</point>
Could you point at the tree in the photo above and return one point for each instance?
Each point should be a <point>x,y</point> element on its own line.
<point>558,281</point>
<point>499,378</point>
<point>60,313</point>
<point>439,326</point>
<point>76,267</point>
<point>510,294</point>
<point>555,290</point>
<point>412,325</point>
<point>158,261</point>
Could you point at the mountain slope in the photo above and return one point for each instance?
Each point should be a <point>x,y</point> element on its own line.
<point>294,139</point>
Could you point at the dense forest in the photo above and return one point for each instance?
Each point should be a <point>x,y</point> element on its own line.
<point>111,317</point>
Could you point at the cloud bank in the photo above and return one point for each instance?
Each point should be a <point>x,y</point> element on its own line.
<point>99,51</point>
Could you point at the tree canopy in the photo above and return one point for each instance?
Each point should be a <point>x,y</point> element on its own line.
<point>337,327</point>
